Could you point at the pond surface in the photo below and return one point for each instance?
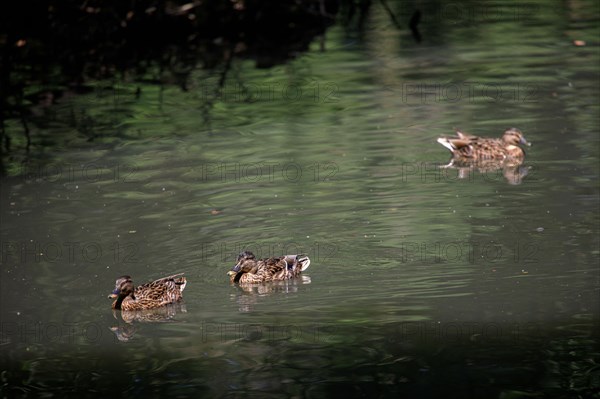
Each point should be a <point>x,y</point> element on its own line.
<point>422,282</point>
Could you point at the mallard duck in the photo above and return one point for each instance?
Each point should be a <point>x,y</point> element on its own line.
<point>148,296</point>
<point>466,147</point>
<point>248,269</point>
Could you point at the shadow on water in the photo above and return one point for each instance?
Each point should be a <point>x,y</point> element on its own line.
<point>57,50</point>
<point>275,359</point>
<point>53,50</point>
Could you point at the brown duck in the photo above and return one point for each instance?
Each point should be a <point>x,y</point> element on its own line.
<point>147,296</point>
<point>468,148</point>
<point>250,270</point>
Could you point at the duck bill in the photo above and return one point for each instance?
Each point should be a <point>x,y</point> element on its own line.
<point>114,294</point>
<point>231,273</point>
<point>525,142</point>
<point>236,268</point>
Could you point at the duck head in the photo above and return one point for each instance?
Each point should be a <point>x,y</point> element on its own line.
<point>515,137</point>
<point>123,288</point>
<point>246,261</point>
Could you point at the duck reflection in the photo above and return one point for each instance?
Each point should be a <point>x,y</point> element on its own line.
<point>128,320</point>
<point>512,171</point>
<point>247,295</point>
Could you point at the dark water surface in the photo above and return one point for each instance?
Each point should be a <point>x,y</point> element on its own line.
<point>421,283</point>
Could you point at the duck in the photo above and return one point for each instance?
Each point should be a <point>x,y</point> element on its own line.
<point>468,148</point>
<point>249,270</point>
<point>151,295</point>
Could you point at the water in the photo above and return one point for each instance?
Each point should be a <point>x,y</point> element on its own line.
<point>421,283</point>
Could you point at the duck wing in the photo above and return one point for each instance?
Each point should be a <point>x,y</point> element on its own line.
<point>161,292</point>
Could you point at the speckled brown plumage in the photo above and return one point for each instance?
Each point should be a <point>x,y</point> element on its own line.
<point>250,270</point>
<point>465,147</point>
<point>147,296</point>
